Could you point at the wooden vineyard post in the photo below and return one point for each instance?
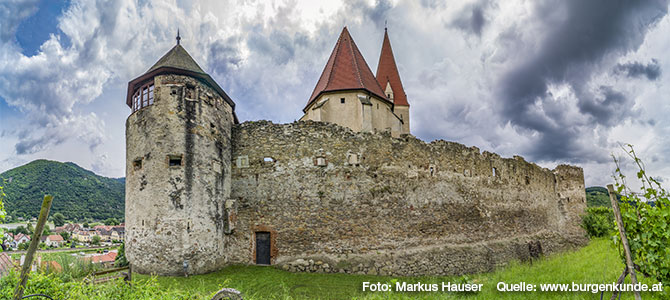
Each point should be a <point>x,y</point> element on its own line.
<point>624,240</point>
<point>34,243</point>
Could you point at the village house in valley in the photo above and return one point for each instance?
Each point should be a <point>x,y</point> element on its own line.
<point>107,233</point>
<point>54,240</point>
<point>346,189</point>
<point>13,240</point>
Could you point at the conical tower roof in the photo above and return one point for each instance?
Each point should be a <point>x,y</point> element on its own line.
<point>177,61</point>
<point>346,70</point>
<point>387,72</point>
<point>177,58</point>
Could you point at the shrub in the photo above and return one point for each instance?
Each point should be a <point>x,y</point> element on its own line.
<point>24,246</point>
<point>598,221</point>
<point>74,267</point>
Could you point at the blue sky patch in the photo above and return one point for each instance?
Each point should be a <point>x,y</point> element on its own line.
<point>35,30</point>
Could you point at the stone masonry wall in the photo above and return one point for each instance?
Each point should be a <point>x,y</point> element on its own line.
<point>175,213</point>
<point>339,201</point>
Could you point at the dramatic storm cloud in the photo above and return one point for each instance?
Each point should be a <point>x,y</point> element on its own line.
<point>471,18</point>
<point>553,81</point>
<point>580,40</point>
<point>651,70</point>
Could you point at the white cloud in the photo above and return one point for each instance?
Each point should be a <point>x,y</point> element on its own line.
<point>268,56</point>
<point>12,12</point>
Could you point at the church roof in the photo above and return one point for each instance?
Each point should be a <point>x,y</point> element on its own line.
<point>177,58</point>
<point>346,70</point>
<point>387,72</point>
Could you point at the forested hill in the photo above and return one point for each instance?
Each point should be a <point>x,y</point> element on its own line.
<point>78,193</point>
<point>598,196</point>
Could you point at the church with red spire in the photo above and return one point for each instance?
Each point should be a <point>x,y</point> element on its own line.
<point>350,95</point>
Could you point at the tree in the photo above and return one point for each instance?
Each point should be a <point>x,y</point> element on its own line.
<point>30,228</point>
<point>2,206</point>
<point>111,221</point>
<point>85,225</point>
<point>47,230</point>
<point>121,260</point>
<point>65,235</point>
<point>3,214</point>
<point>21,229</point>
<point>58,219</point>
<point>95,240</point>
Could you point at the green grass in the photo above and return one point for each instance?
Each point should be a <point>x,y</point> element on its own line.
<point>596,263</point>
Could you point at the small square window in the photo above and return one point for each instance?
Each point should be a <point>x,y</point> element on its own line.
<point>341,100</point>
<point>352,159</point>
<point>243,161</point>
<point>137,164</point>
<point>174,160</point>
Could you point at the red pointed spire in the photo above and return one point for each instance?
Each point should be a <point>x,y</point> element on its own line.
<point>346,70</point>
<point>387,73</point>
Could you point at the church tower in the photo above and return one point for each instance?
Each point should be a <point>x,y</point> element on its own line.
<point>389,79</point>
<point>178,156</point>
<point>349,95</point>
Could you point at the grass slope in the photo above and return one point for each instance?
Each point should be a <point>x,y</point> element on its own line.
<point>78,193</point>
<point>596,263</point>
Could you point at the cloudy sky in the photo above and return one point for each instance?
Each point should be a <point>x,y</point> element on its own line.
<point>553,81</point>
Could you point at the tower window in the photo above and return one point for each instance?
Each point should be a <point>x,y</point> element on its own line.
<point>174,160</point>
<point>143,96</point>
<point>342,100</point>
<point>151,94</point>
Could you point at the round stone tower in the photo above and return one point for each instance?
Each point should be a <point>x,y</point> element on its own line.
<point>177,168</point>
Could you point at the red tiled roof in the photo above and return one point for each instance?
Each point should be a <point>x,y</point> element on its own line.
<point>55,237</point>
<point>6,264</point>
<point>109,257</point>
<point>346,70</point>
<point>387,72</point>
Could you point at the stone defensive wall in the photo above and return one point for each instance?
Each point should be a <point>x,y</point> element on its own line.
<point>338,201</point>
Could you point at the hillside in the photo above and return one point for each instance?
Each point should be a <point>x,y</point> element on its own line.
<point>597,196</point>
<point>78,193</point>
